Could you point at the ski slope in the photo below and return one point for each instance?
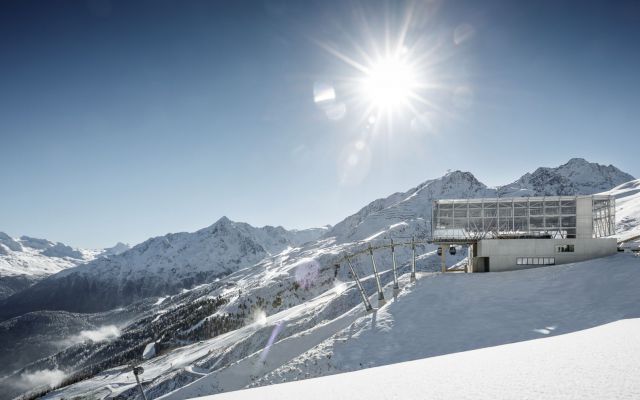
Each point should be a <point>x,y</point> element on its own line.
<point>439,314</point>
<point>597,363</point>
<point>450,313</point>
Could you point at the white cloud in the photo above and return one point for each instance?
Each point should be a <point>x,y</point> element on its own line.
<point>106,332</point>
<point>45,377</point>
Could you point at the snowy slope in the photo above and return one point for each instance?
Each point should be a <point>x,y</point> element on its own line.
<point>551,368</point>
<point>627,209</point>
<point>331,333</point>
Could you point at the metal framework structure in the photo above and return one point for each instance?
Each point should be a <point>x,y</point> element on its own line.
<point>604,216</point>
<point>557,216</point>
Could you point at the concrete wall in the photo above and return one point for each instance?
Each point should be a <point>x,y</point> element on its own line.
<point>584,217</point>
<point>503,253</point>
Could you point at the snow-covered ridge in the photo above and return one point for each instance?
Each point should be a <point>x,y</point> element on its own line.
<point>38,257</point>
<point>577,176</point>
<point>26,260</point>
<point>161,265</point>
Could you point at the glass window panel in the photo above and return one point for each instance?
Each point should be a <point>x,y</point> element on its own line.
<point>490,223</point>
<point>446,213</point>
<point>520,212</point>
<point>568,210</point>
<point>551,210</point>
<point>521,224</point>
<point>475,223</point>
<point>552,222</point>
<point>569,222</point>
<point>460,213</point>
<point>490,213</point>
<point>537,222</point>
<point>536,211</point>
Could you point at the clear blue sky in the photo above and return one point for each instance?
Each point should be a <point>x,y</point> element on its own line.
<point>121,120</point>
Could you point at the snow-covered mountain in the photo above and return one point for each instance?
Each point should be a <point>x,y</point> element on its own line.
<point>288,297</point>
<point>161,265</point>
<point>577,176</point>
<point>26,260</point>
<point>409,212</point>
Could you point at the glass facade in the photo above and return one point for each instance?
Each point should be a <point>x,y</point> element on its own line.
<point>519,217</point>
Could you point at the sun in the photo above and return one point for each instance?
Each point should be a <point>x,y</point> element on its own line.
<point>389,84</point>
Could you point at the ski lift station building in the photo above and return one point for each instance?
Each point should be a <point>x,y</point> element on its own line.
<point>524,232</point>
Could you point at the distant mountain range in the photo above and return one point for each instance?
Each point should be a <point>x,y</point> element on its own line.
<point>26,260</point>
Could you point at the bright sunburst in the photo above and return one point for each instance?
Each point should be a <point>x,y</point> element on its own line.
<point>393,76</point>
<point>389,84</point>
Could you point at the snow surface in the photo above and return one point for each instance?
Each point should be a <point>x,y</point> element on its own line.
<point>449,313</point>
<point>597,363</point>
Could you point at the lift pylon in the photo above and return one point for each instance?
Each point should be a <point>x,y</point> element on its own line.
<point>375,272</point>
<point>365,299</point>
<point>413,260</point>
<point>395,270</point>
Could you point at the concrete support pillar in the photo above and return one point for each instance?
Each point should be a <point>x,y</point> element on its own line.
<point>413,261</point>
<point>365,299</point>
<point>375,272</point>
<point>395,270</point>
